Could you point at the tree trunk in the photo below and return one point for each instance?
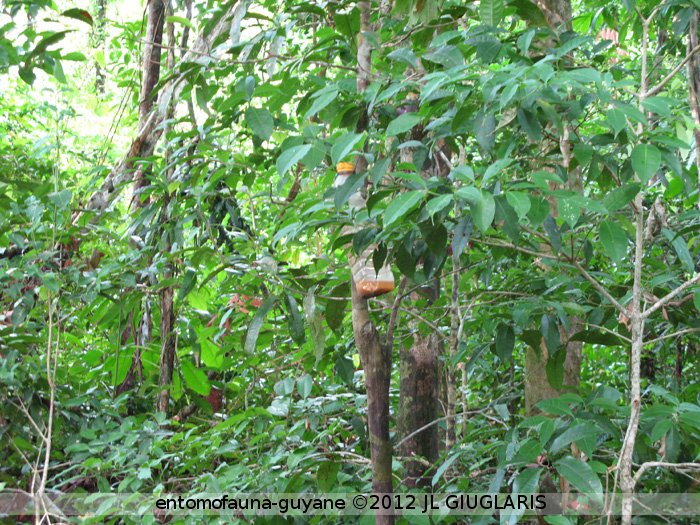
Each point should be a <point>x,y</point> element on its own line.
<point>694,87</point>
<point>376,358</point>
<point>418,407</point>
<point>149,78</point>
<point>99,41</point>
<point>376,362</point>
<point>167,352</point>
<point>537,386</point>
<point>151,130</point>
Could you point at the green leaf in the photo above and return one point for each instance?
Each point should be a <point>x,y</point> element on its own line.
<point>495,169</point>
<point>61,198</point>
<point>527,452</point>
<point>79,14</point>
<point>574,434</point>
<point>344,145</point>
<point>296,322</point>
<point>182,21</point>
<point>520,203</point>
<point>187,284</point>
<point>321,101</point>
<point>212,355</point>
<point>614,240</point>
<point>527,481</point>
<point>403,54</point>
<point>580,475</point>
<point>304,384</point>
<point>402,123</point>
<point>260,121</point>
<point>620,197</point>
<point>195,378</point>
<point>681,248</point>
<point>327,474</point>
<point>251,337</point>
<point>443,468</point>
<point>290,157</point>
<point>351,186</point>
<point>335,308</point>
<point>554,369</point>
<point>658,105</point>
<point>646,161</point>
<point>569,208</point>
<point>673,444</point>
<point>438,204</point>
<point>491,12</point>
<point>401,206</point>
<point>555,406</point>
<point>504,342</point>
<point>482,204</point>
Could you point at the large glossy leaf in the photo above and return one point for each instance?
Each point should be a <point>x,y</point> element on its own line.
<point>681,248</point>
<point>482,204</point>
<point>646,161</point>
<point>402,123</point>
<point>504,342</point>
<point>212,355</point>
<point>344,145</point>
<point>402,206</point>
<point>580,475</point>
<point>255,325</point>
<point>620,197</point>
<point>614,240</point>
<point>290,157</point>
<point>576,433</point>
<point>296,322</point>
<point>260,121</point>
<point>491,12</point>
<point>195,378</point>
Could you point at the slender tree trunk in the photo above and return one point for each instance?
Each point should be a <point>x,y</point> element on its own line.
<point>376,362</point>
<point>152,52</point>
<point>625,463</point>
<point>376,358</point>
<point>99,42</point>
<point>149,79</point>
<point>694,87</point>
<point>167,352</point>
<point>418,406</point>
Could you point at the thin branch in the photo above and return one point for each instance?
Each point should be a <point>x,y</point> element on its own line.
<point>662,464</point>
<point>611,332</point>
<point>598,286</point>
<point>656,89</point>
<point>29,417</point>
<point>665,299</point>
<point>672,335</point>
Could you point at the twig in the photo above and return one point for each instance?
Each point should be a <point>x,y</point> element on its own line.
<point>611,332</point>
<point>665,299</point>
<point>671,335</point>
<point>598,286</point>
<point>653,91</point>
<point>662,464</point>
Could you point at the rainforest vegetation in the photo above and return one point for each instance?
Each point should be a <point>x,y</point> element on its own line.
<point>338,246</point>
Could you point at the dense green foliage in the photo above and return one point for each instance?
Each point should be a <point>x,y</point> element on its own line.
<point>530,151</point>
